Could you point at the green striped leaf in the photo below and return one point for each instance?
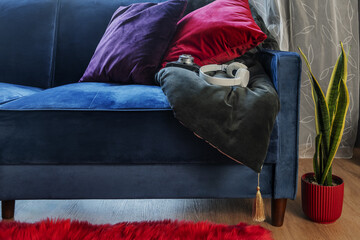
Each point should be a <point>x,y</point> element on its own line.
<point>322,118</point>
<point>332,93</point>
<point>338,127</point>
<point>317,156</point>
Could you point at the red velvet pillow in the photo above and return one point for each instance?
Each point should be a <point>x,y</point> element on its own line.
<point>216,33</point>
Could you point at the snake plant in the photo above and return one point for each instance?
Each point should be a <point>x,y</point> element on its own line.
<point>330,113</point>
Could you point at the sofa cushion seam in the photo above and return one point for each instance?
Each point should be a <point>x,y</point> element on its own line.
<point>53,57</point>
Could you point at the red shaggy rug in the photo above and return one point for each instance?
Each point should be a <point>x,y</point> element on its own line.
<point>157,230</point>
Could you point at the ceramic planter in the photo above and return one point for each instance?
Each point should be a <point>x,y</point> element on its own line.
<point>322,204</point>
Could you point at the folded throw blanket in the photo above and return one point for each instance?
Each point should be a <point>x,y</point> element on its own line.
<point>237,121</point>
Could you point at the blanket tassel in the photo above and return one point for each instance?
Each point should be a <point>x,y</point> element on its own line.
<point>258,213</point>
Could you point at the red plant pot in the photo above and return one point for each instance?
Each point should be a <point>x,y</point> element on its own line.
<point>322,204</point>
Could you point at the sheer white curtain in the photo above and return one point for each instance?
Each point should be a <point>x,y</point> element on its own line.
<point>318,27</point>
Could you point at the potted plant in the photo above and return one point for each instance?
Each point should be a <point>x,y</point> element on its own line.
<point>322,192</point>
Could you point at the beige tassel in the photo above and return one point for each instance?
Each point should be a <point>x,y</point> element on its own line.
<point>258,213</point>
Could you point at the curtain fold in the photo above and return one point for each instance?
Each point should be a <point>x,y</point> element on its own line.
<point>318,27</point>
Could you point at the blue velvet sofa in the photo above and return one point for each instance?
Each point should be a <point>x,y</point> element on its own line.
<point>60,139</point>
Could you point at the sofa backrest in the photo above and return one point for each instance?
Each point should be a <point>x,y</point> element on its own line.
<point>47,43</point>
<point>26,41</point>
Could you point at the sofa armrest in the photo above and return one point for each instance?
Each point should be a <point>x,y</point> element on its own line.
<point>284,68</point>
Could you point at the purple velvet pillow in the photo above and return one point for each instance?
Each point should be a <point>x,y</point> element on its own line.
<point>134,43</point>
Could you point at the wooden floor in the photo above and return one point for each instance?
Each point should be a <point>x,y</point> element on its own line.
<point>296,225</point>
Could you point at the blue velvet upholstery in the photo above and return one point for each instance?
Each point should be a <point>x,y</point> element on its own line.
<point>94,96</point>
<point>91,140</point>
<point>284,68</point>
<point>101,123</point>
<point>132,181</point>
<point>10,92</point>
<point>27,42</point>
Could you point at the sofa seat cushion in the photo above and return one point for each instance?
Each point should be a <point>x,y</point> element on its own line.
<point>101,123</point>
<point>99,96</point>
<point>10,92</point>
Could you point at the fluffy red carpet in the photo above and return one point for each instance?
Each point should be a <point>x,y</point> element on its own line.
<point>159,230</point>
